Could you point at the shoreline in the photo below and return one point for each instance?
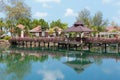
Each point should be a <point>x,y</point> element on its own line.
<point>4,44</point>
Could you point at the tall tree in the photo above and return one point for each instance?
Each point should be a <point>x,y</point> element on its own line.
<point>98,20</point>
<point>1,26</point>
<point>44,24</point>
<point>98,23</point>
<point>10,27</point>
<point>17,11</point>
<point>95,22</point>
<point>85,17</point>
<point>59,24</point>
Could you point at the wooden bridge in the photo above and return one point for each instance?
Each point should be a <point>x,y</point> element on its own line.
<point>65,43</point>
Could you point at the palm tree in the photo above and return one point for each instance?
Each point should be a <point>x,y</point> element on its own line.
<point>11,27</point>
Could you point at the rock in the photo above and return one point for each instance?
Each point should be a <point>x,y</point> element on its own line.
<point>4,44</point>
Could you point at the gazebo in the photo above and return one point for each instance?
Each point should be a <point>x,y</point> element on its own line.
<point>20,26</point>
<point>78,27</point>
<point>78,65</point>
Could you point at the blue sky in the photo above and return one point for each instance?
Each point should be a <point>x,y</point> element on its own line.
<point>67,10</point>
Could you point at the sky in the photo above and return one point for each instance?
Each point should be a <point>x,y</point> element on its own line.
<point>67,10</point>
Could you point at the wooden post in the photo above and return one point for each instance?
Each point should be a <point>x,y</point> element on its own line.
<point>30,43</point>
<point>26,43</point>
<point>48,45</point>
<point>54,44</point>
<point>118,47</point>
<point>105,47</point>
<point>89,46</point>
<point>58,45</point>
<point>44,44</point>
<point>76,46</point>
<point>35,44</point>
<point>39,44</point>
<point>23,43</point>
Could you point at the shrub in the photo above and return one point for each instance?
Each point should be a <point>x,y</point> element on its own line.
<point>7,37</point>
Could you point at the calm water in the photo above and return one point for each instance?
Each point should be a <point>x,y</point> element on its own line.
<point>40,64</point>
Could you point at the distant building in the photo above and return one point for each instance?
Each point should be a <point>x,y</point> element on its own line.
<point>111,32</point>
<point>37,32</point>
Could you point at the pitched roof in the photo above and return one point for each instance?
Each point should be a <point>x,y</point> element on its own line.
<point>36,29</point>
<point>78,27</point>
<point>58,28</point>
<point>112,28</point>
<point>20,26</point>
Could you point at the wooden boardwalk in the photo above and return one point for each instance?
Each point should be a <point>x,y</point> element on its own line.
<point>63,43</point>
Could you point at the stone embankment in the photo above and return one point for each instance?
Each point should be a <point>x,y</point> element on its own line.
<point>4,44</point>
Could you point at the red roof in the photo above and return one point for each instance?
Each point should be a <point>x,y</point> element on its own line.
<point>36,29</point>
<point>78,27</point>
<point>20,26</point>
<point>112,28</point>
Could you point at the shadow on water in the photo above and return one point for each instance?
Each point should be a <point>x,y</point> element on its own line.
<point>17,60</point>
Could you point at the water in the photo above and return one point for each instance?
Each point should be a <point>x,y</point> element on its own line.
<point>42,64</point>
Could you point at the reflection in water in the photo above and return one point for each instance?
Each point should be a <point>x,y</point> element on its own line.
<point>21,64</point>
<point>79,65</point>
<point>51,74</point>
<point>14,68</point>
<point>113,48</point>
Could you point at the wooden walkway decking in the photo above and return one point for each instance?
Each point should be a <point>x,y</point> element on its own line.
<point>63,43</point>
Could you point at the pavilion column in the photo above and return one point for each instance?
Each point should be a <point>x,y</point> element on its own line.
<point>22,33</point>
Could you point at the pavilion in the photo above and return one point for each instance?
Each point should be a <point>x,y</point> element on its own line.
<point>79,64</point>
<point>78,28</point>
<point>20,26</point>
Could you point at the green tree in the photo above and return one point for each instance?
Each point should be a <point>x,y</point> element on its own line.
<point>85,17</point>
<point>25,22</point>
<point>95,22</point>
<point>2,29</point>
<point>17,11</point>
<point>44,24</point>
<point>59,24</point>
<point>35,23</point>
<point>10,26</point>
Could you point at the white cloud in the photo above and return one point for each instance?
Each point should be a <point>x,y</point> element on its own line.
<point>47,1</point>
<point>46,5</point>
<point>70,12</point>
<point>51,75</point>
<point>40,14</point>
<point>107,71</point>
<point>106,1</point>
<point>111,2</point>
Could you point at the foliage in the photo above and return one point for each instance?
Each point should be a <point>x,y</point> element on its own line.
<point>44,25</point>
<point>96,22</point>
<point>85,17</point>
<point>10,26</point>
<point>1,24</point>
<point>17,10</point>
<point>7,37</point>
<point>51,31</point>
<point>59,24</point>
